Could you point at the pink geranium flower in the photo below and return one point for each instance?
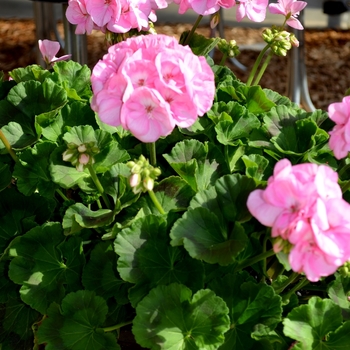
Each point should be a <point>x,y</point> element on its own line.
<point>290,9</point>
<point>149,84</point>
<point>255,10</point>
<point>77,13</point>
<point>303,205</point>
<point>339,141</point>
<point>147,115</point>
<point>49,50</point>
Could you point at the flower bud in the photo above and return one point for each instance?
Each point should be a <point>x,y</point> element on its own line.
<point>148,184</point>
<point>135,180</point>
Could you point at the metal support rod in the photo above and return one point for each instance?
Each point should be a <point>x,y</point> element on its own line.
<point>75,44</point>
<point>298,90</point>
<point>220,28</point>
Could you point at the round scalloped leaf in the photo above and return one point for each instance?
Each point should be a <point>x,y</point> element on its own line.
<point>100,274</point>
<point>168,318</point>
<point>203,236</point>
<point>76,325</point>
<point>147,259</point>
<point>312,323</point>
<point>255,309</point>
<point>32,170</point>
<point>45,264</point>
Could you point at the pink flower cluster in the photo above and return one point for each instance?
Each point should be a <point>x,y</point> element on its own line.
<point>118,16</point>
<point>304,206</point>
<point>339,141</point>
<point>148,84</point>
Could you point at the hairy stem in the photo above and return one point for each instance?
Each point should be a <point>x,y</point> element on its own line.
<point>254,260</point>
<point>98,185</point>
<point>256,64</point>
<point>188,38</point>
<point>263,68</point>
<point>156,202</point>
<point>8,146</point>
<point>152,153</point>
<point>117,326</point>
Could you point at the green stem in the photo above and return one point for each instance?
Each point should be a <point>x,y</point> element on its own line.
<point>152,153</point>
<point>263,68</point>
<point>345,187</point>
<point>188,38</point>
<point>156,202</point>
<point>343,170</point>
<point>63,196</point>
<point>264,260</point>
<point>8,146</point>
<point>292,277</point>
<point>98,185</point>
<point>99,203</point>
<point>223,60</point>
<point>254,260</point>
<point>256,64</point>
<point>303,282</point>
<point>117,326</point>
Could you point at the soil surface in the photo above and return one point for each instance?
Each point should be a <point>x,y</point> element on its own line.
<point>327,56</point>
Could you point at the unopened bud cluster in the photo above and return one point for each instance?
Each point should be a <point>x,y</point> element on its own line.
<point>80,155</point>
<point>229,48</point>
<point>142,175</point>
<point>280,40</point>
<point>345,269</point>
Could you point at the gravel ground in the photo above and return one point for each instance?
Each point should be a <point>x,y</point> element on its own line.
<point>327,55</point>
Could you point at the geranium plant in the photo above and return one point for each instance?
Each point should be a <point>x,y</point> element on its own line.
<point>160,193</point>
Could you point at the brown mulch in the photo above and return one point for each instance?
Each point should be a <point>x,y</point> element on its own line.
<point>327,55</point>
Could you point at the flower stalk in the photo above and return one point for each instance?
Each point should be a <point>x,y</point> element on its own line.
<point>254,260</point>
<point>8,146</point>
<point>98,185</point>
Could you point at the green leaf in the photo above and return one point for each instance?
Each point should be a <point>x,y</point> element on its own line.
<point>17,137</point>
<point>242,125</point>
<point>44,266</point>
<point>310,324</point>
<point>32,171</point>
<point>338,291</point>
<point>74,78</point>
<point>19,318</point>
<point>5,176</point>
<point>195,163</point>
<point>72,114</point>
<point>31,72</point>
<point>99,274</point>
<point>173,193</point>
<point>255,309</point>
<point>17,212</point>
<point>203,236</point>
<point>78,216</point>
<point>199,44</point>
<point>147,259</point>
<point>233,191</point>
<point>255,166</point>
<point>66,175</point>
<point>42,101</point>
<point>76,325</point>
<point>169,317</point>
<point>257,101</point>
<point>296,139</point>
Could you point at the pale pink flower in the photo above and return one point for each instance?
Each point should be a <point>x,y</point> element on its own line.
<point>49,49</point>
<point>303,204</point>
<point>290,9</point>
<point>203,7</point>
<point>255,10</point>
<point>339,141</point>
<point>76,13</point>
<point>161,84</point>
<point>103,11</point>
<point>147,115</point>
